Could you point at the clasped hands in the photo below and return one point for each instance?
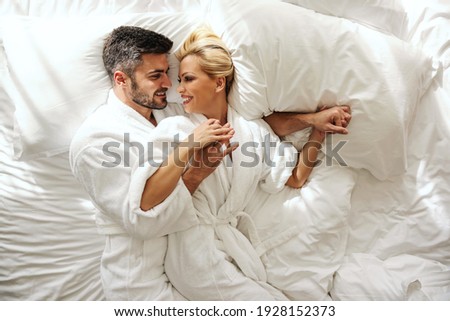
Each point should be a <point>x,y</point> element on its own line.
<point>332,120</point>
<point>212,144</point>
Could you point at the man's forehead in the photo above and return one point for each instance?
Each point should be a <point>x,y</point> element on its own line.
<point>153,63</point>
<point>157,62</point>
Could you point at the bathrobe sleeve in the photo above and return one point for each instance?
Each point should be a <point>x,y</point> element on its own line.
<point>115,179</point>
<point>279,160</point>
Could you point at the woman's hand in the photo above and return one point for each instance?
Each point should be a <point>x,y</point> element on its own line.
<point>210,132</point>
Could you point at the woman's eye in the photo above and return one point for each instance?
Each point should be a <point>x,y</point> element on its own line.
<point>185,79</point>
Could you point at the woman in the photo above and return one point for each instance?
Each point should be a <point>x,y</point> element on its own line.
<point>221,259</point>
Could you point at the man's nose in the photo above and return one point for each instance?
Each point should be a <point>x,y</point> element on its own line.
<point>167,83</point>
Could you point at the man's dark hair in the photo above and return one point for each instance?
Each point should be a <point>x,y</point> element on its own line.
<point>125,45</point>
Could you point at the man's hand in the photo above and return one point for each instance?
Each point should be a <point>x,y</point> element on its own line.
<point>327,119</point>
<point>204,162</point>
<point>332,119</point>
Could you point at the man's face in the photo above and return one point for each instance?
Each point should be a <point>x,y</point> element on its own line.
<point>150,82</point>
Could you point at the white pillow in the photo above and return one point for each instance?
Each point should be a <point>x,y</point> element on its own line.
<point>6,113</point>
<point>289,58</point>
<point>387,16</point>
<point>185,6</point>
<point>52,8</point>
<point>57,75</point>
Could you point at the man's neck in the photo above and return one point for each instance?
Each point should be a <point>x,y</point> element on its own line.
<point>152,119</point>
<point>145,112</point>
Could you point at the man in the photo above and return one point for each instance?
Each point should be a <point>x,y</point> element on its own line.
<point>112,158</point>
<point>111,155</point>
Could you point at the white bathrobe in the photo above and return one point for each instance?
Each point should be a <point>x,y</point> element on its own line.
<point>112,158</point>
<point>221,259</point>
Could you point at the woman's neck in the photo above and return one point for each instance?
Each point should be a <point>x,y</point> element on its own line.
<point>219,111</point>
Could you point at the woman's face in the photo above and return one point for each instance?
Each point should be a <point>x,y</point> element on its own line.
<point>196,88</point>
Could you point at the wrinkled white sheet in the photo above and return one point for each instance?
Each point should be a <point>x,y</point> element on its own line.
<point>304,265</point>
<point>405,215</point>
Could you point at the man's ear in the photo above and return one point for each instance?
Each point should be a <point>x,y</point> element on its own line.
<point>120,78</point>
<point>220,84</point>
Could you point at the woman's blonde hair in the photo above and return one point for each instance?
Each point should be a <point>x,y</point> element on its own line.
<point>212,53</point>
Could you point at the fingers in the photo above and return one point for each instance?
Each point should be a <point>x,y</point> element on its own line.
<point>212,155</point>
<point>339,116</point>
<point>344,120</point>
<point>230,148</point>
<point>341,108</point>
<point>216,123</point>
<point>333,129</point>
<point>347,118</point>
<point>222,134</point>
<point>337,121</point>
<point>211,131</point>
<point>211,121</point>
<point>223,131</point>
<point>217,129</point>
<point>216,152</point>
<point>348,110</point>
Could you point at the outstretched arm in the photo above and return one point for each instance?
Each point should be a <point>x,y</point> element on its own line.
<point>306,159</point>
<point>331,120</point>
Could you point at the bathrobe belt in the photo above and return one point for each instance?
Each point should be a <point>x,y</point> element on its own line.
<point>242,243</point>
<point>241,247</point>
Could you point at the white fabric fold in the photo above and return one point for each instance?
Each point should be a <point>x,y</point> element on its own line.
<point>244,255</point>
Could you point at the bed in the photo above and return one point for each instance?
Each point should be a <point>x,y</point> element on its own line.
<point>389,60</point>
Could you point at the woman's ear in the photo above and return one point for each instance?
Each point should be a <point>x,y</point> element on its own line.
<point>220,83</point>
<point>120,78</point>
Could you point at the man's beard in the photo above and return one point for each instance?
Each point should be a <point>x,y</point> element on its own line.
<point>144,100</point>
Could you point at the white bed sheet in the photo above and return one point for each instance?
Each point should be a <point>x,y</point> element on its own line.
<point>49,246</point>
<point>50,249</point>
<point>400,228</point>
